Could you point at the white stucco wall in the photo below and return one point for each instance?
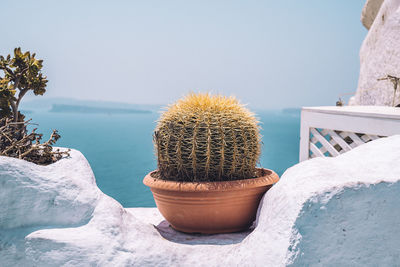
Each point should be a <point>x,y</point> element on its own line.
<point>324,210</point>
<point>379,56</point>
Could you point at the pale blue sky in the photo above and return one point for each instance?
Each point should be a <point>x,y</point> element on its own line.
<point>270,54</point>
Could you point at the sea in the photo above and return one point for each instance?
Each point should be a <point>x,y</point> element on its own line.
<point>120,149</point>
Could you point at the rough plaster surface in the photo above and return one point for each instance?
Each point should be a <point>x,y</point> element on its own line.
<point>349,228</point>
<point>322,211</point>
<point>380,56</point>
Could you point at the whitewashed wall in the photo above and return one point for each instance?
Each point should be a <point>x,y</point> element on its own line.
<point>379,54</point>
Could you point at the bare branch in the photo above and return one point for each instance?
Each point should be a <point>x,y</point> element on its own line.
<point>18,79</point>
<point>15,142</point>
<point>21,95</point>
<point>395,81</point>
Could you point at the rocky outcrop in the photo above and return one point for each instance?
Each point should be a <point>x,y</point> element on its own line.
<point>369,12</point>
<point>379,55</point>
<point>324,210</point>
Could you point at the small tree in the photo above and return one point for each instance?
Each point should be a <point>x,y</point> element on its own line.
<point>22,73</point>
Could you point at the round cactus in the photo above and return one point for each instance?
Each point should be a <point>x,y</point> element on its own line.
<point>205,137</point>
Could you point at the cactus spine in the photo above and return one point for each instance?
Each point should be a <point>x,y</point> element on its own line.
<point>205,137</point>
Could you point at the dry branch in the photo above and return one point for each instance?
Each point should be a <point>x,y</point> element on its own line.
<point>16,142</point>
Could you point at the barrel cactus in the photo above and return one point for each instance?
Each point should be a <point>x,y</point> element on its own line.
<point>205,137</point>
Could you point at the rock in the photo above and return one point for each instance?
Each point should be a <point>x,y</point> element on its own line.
<point>369,12</point>
<point>379,55</point>
<point>324,210</point>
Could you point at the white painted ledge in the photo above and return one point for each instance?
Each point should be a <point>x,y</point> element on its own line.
<point>342,210</point>
<point>153,217</point>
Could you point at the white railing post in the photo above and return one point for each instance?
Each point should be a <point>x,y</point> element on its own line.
<point>304,137</point>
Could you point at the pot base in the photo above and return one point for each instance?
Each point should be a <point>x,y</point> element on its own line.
<point>224,231</point>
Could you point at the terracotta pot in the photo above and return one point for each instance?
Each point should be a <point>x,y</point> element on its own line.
<point>210,207</point>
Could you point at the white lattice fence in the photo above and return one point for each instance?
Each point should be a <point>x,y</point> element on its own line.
<point>331,143</point>
<point>331,131</point>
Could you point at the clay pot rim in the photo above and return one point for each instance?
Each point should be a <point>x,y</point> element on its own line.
<point>269,178</point>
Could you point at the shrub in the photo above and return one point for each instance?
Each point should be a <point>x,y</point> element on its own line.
<point>22,73</point>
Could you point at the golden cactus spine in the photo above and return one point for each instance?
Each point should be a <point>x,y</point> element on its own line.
<point>207,138</point>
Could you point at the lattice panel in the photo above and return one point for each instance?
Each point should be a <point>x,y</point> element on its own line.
<point>331,143</point>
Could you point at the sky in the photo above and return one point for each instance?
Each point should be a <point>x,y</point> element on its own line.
<point>269,54</point>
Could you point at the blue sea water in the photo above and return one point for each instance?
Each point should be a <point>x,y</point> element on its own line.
<point>120,151</point>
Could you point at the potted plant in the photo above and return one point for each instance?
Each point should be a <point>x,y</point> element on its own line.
<point>207,148</point>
